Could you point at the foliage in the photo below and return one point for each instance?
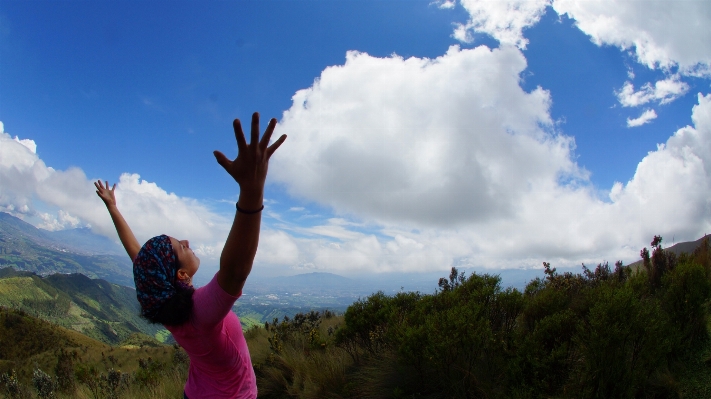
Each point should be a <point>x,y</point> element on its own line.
<point>64,371</point>
<point>301,359</point>
<point>605,332</point>
<point>10,386</point>
<point>602,333</point>
<point>44,384</point>
<point>101,310</point>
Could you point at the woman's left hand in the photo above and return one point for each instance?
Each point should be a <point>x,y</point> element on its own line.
<point>249,169</point>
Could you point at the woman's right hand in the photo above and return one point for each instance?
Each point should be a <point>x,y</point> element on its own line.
<point>128,239</point>
<point>105,193</point>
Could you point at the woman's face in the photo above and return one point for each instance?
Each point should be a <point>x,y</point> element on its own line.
<point>188,263</point>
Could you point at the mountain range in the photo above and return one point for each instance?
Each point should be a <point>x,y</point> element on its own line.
<point>83,281</point>
<point>25,247</point>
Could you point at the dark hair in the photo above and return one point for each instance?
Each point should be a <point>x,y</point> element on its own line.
<point>176,310</point>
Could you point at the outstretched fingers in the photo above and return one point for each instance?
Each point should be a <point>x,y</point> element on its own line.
<point>276,145</point>
<point>101,187</point>
<point>254,139</point>
<point>239,134</point>
<point>222,159</point>
<point>268,134</point>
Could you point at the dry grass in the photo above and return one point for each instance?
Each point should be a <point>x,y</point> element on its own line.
<point>309,365</point>
<point>304,367</point>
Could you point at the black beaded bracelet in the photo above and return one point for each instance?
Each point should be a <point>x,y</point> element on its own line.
<point>248,212</point>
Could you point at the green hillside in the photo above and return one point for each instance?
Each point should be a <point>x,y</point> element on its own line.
<point>27,339</point>
<point>101,310</point>
<point>77,366</point>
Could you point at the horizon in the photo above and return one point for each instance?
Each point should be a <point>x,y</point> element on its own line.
<point>422,135</point>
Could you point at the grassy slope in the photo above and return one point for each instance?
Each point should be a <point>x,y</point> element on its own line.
<point>101,310</point>
<point>35,343</point>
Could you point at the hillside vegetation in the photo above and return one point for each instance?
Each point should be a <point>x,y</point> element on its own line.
<point>604,333</point>
<point>101,310</point>
<point>40,359</point>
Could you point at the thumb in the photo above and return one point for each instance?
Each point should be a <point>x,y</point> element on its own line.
<point>222,159</point>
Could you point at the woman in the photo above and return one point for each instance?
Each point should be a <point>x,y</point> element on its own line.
<point>200,319</point>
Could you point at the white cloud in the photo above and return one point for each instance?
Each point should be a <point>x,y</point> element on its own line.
<point>63,220</point>
<point>456,165</point>
<point>661,33</point>
<point>669,193</point>
<point>29,144</point>
<point>504,20</point>
<point>438,142</point>
<point>663,91</point>
<point>277,248</point>
<point>149,209</point>
<point>445,4</point>
<point>646,117</point>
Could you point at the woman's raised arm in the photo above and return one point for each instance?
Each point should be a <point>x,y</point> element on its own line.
<point>249,170</point>
<point>124,232</point>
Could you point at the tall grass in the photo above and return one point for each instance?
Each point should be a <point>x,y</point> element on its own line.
<point>301,360</point>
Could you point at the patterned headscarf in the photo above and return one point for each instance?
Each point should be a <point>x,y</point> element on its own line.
<point>154,272</point>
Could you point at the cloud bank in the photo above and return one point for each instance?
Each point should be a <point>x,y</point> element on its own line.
<point>456,164</point>
<point>429,163</point>
<point>149,209</point>
<point>662,34</point>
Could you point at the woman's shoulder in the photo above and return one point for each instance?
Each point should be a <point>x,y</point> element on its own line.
<point>211,304</point>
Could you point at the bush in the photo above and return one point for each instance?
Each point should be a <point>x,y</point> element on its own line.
<point>44,384</point>
<point>10,386</point>
<point>64,372</point>
<point>598,334</point>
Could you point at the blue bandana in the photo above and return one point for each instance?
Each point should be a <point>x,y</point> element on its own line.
<point>154,272</point>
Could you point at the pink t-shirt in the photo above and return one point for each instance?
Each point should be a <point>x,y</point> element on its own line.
<point>220,366</point>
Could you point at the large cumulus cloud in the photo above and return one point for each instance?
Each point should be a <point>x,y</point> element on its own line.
<point>456,164</point>
<point>438,142</point>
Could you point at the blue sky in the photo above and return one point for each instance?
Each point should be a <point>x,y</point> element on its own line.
<point>421,135</point>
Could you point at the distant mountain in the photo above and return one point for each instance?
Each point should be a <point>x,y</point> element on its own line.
<point>26,247</point>
<point>101,310</point>
<point>678,249</point>
<point>686,247</point>
<point>15,227</point>
<point>83,239</point>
